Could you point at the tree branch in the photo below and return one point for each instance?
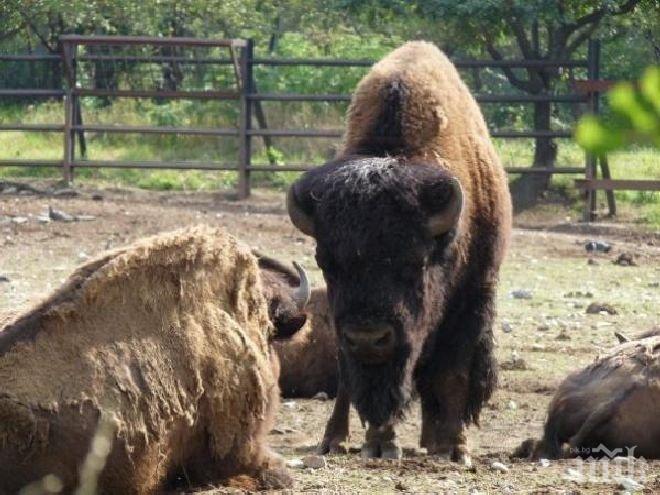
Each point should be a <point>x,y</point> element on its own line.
<point>510,75</point>
<point>579,39</point>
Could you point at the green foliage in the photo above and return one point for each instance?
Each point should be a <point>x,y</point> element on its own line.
<point>634,117</point>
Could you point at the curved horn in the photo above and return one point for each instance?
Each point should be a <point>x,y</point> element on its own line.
<point>621,338</point>
<point>301,219</point>
<point>303,292</point>
<point>442,222</point>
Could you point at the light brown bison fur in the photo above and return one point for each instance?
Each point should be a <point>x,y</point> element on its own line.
<point>613,402</point>
<point>168,340</point>
<point>308,361</point>
<point>440,122</point>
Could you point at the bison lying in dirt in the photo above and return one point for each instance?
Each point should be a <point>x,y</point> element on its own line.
<point>613,402</point>
<point>411,223</point>
<point>167,341</point>
<point>308,361</point>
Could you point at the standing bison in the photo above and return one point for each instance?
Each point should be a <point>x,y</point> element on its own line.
<point>411,223</point>
<point>168,342</point>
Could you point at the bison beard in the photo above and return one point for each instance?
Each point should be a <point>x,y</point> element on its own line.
<point>379,392</point>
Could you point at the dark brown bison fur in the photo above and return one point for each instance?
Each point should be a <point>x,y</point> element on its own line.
<point>308,361</point>
<point>411,222</point>
<point>167,341</point>
<point>613,402</point>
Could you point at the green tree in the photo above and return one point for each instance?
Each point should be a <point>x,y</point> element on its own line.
<point>530,29</point>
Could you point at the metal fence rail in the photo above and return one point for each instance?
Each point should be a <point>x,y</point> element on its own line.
<point>80,50</point>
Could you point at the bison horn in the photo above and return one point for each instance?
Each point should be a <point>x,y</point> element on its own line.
<point>442,222</point>
<point>302,293</point>
<point>301,219</point>
<point>621,338</point>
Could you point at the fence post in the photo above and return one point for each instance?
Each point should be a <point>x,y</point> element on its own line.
<point>69,112</point>
<point>593,74</point>
<point>245,120</point>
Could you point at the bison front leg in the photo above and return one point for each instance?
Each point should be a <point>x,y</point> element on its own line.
<point>336,430</point>
<point>443,427</point>
<point>459,378</point>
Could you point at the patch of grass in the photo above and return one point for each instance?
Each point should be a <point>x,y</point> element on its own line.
<point>641,163</point>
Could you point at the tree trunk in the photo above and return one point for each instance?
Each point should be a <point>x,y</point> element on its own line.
<point>529,188</point>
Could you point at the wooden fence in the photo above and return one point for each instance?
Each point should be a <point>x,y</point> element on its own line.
<point>239,54</point>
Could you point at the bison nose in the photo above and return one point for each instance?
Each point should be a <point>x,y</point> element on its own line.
<point>371,343</point>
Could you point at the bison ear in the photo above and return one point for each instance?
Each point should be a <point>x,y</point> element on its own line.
<point>444,202</point>
<point>301,218</point>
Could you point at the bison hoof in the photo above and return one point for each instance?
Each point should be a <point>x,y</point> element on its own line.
<point>385,450</point>
<point>457,453</point>
<point>331,447</point>
<point>390,450</point>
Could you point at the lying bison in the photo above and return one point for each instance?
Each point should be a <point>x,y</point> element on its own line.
<point>168,342</point>
<point>308,361</point>
<point>612,403</point>
<point>411,223</point>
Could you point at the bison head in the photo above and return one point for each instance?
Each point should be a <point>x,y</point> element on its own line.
<point>287,294</point>
<point>384,231</point>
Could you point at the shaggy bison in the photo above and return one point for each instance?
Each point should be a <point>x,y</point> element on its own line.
<point>167,341</point>
<point>308,361</point>
<point>411,223</point>
<point>613,402</point>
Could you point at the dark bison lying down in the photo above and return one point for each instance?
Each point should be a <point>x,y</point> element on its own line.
<point>411,223</point>
<point>308,360</point>
<point>168,342</point>
<point>613,402</point>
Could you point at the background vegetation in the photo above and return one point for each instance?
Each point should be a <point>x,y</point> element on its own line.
<point>359,29</point>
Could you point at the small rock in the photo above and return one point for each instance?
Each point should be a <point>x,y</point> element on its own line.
<point>59,216</point>
<point>543,327</point>
<point>592,261</point>
<point>315,461</point>
<point>625,259</point>
<point>401,487</point>
<point>322,396</point>
<point>544,462</point>
<point>574,294</point>
<point>97,197</point>
<point>290,404</point>
<point>3,278</point>
<point>515,362</point>
<point>498,466</point>
<point>630,484</point>
<point>654,285</point>
<point>521,294</point>
<point>538,347</point>
<point>506,327</point>
<point>599,246</point>
<point>19,220</point>
<point>43,219</point>
<point>563,336</point>
<point>82,256</point>
<point>295,463</point>
<point>512,405</point>
<point>596,308</point>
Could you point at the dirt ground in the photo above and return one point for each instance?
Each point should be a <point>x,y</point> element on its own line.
<point>539,340</point>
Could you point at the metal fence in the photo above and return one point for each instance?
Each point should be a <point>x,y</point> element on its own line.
<point>111,53</point>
